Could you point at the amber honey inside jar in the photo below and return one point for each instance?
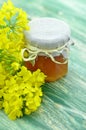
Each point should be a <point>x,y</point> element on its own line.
<point>47,46</point>
<point>52,70</point>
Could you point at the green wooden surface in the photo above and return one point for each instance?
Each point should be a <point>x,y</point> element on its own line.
<point>64,102</point>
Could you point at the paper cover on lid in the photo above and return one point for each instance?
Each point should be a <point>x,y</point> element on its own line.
<point>48,33</point>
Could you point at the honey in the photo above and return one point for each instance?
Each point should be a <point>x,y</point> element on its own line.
<point>47,44</point>
<point>52,70</point>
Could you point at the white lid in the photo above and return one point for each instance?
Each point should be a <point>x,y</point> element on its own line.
<point>48,33</point>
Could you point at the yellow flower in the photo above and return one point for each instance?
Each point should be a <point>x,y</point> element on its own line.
<point>27,111</point>
<point>1,93</point>
<point>15,65</point>
<point>2,78</point>
<point>13,21</point>
<point>20,89</point>
<point>16,113</point>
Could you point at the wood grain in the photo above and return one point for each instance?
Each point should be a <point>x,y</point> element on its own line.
<point>64,101</point>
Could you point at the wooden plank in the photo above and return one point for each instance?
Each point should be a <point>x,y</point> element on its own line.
<point>64,101</point>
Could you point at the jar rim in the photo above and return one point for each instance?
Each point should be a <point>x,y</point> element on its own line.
<point>47,33</point>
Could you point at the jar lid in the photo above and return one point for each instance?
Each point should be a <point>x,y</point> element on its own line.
<point>47,33</point>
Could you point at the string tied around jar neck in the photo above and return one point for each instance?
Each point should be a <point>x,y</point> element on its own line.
<point>35,51</point>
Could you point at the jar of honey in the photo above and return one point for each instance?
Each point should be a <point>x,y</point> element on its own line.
<point>47,45</point>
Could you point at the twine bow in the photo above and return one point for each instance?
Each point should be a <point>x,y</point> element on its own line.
<point>35,51</point>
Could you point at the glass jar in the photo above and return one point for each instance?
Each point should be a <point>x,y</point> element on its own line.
<point>47,44</point>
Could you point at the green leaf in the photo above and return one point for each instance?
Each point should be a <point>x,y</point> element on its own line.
<point>2,26</point>
<point>8,59</point>
<point>14,19</point>
<point>1,50</point>
<point>6,21</point>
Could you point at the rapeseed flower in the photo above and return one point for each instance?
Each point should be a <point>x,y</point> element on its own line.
<point>20,89</point>
<point>13,21</point>
<point>21,96</point>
